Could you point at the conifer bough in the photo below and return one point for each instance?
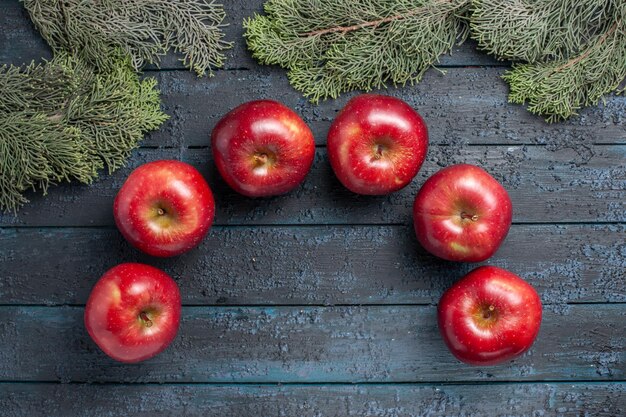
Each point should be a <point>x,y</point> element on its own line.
<point>86,109</point>
<point>145,29</point>
<point>334,46</point>
<point>572,52</point>
<point>575,51</point>
<point>64,120</point>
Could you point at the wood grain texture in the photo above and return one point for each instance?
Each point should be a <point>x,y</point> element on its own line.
<point>313,265</point>
<point>321,245</point>
<point>493,400</point>
<point>309,344</point>
<point>466,105</point>
<point>545,186</point>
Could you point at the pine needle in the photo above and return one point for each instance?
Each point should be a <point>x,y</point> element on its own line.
<point>558,89</point>
<point>538,30</point>
<point>575,52</point>
<point>335,46</point>
<point>145,29</point>
<point>63,120</point>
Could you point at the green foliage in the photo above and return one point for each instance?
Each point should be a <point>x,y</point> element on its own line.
<point>86,109</point>
<point>572,52</point>
<point>558,89</point>
<point>64,120</point>
<point>334,46</point>
<point>575,51</point>
<point>145,29</point>
<point>536,30</point>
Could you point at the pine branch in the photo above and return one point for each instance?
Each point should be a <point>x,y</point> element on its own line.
<point>558,89</point>
<point>63,120</point>
<point>539,30</point>
<point>371,24</point>
<point>334,46</point>
<point>145,29</point>
<point>575,51</point>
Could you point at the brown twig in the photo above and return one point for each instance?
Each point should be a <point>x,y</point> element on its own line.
<point>374,23</point>
<point>585,54</point>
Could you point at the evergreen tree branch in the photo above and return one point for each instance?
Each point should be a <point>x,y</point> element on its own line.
<point>64,120</point>
<point>558,89</point>
<point>145,29</point>
<point>374,23</point>
<point>334,46</point>
<point>599,43</point>
<point>539,30</point>
<point>575,52</point>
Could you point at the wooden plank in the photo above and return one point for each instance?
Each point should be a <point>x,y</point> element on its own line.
<point>466,105</point>
<point>593,399</point>
<point>546,186</point>
<point>313,265</point>
<point>309,344</point>
<point>20,42</point>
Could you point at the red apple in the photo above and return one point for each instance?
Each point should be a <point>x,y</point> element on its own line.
<point>164,208</point>
<point>133,312</point>
<point>489,316</point>
<point>262,148</point>
<point>377,144</point>
<point>462,213</point>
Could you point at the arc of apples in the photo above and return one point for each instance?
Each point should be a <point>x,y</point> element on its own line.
<point>376,145</point>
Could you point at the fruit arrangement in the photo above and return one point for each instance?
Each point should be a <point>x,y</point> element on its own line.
<point>376,146</point>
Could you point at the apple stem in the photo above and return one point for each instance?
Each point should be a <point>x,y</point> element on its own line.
<point>160,211</point>
<point>490,310</point>
<point>378,152</point>
<point>472,217</point>
<point>143,316</point>
<point>260,158</point>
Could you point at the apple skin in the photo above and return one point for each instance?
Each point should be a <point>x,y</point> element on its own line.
<point>462,213</point>
<point>164,208</point>
<point>133,312</point>
<point>489,316</point>
<point>377,144</point>
<point>262,148</point>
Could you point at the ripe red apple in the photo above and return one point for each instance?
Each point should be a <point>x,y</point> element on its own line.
<point>133,312</point>
<point>262,148</point>
<point>462,213</point>
<point>377,144</point>
<point>489,316</point>
<point>164,208</point>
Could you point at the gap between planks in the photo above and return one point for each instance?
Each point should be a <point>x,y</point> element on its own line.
<point>443,145</point>
<point>151,68</point>
<point>303,306</point>
<point>305,384</point>
<point>310,225</point>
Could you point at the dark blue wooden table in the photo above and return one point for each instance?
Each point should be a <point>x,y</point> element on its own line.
<point>321,302</point>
